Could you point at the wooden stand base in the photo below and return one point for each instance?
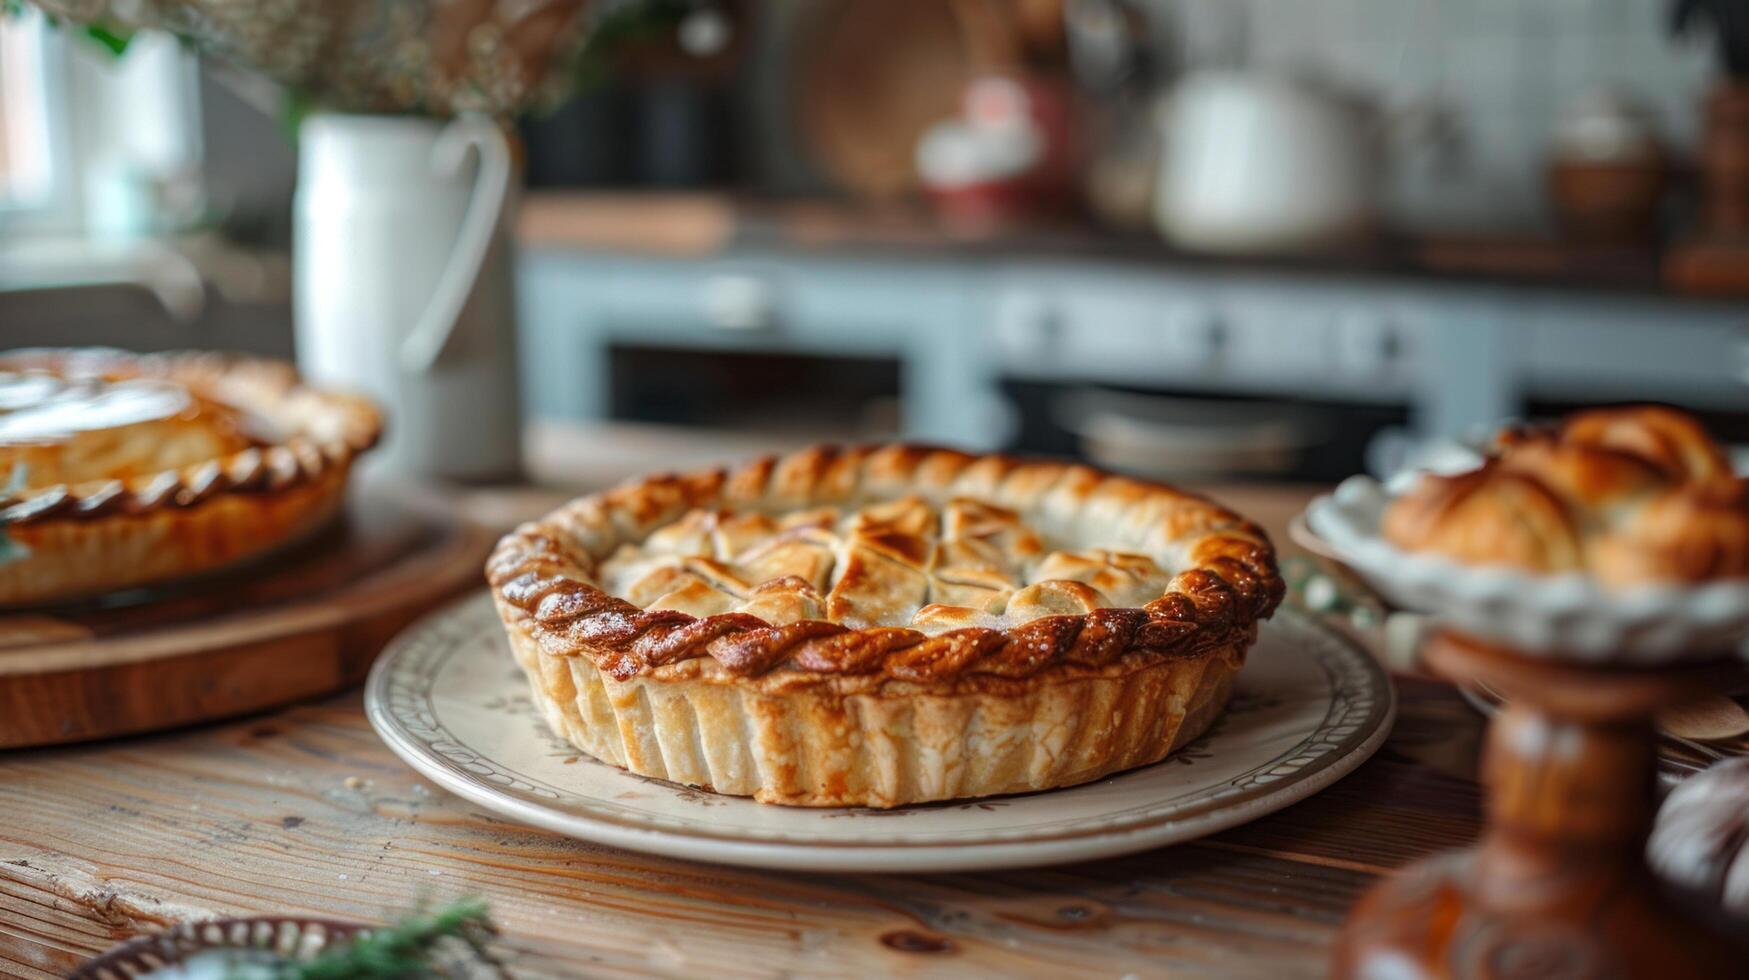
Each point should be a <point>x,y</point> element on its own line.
<point>293,626</point>
<point>1558,886</point>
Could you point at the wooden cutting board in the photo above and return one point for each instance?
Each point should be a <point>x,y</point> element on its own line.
<point>304,623</point>
<point>873,75</point>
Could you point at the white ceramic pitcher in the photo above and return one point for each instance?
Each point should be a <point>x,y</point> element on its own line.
<point>404,287</point>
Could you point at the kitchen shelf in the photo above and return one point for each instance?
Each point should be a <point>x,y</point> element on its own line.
<point>705,224</point>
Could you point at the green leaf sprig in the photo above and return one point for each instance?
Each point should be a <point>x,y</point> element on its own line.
<point>408,949</point>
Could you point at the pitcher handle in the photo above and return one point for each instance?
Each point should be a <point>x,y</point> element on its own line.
<point>430,336</point>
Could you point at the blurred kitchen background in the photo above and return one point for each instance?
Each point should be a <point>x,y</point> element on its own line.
<point>1254,239</point>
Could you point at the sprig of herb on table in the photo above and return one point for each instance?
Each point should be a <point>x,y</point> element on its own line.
<point>409,948</point>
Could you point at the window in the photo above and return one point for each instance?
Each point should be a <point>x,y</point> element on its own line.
<point>93,144</point>
<point>29,63</point>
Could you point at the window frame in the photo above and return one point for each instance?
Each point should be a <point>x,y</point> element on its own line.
<point>84,133</point>
<point>57,210</point>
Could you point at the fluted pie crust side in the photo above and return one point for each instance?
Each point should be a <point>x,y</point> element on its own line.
<point>817,745</point>
<point>956,703</point>
<point>97,536</point>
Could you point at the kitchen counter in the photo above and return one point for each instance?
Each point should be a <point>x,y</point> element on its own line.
<point>1450,336</point>
<point>704,224</point>
<point>304,811</point>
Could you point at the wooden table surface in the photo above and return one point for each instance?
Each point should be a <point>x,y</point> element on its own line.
<point>304,811</point>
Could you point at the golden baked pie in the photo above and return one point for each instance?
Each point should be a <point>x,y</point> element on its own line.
<point>1627,495</point>
<point>878,627</point>
<point>121,470</point>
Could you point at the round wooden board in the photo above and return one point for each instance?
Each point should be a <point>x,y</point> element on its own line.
<point>306,622</point>
<point>874,75</point>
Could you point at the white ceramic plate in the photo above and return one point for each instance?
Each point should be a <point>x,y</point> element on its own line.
<point>1568,616</point>
<point>1307,709</point>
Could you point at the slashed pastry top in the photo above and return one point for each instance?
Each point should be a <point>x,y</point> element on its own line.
<point>902,563</point>
<point>1628,495</point>
<point>913,562</point>
<point>56,429</point>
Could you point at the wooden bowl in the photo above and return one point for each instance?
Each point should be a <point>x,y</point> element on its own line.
<point>293,939</point>
<point>1615,202</point>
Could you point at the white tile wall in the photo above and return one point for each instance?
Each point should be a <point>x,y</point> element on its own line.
<point>1503,70</point>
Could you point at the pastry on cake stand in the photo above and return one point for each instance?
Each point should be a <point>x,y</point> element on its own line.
<point>1595,574</point>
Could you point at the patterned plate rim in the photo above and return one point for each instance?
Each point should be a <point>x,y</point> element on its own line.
<point>397,702</point>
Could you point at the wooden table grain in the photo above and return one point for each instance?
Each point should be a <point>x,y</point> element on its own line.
<point>304,811</point>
